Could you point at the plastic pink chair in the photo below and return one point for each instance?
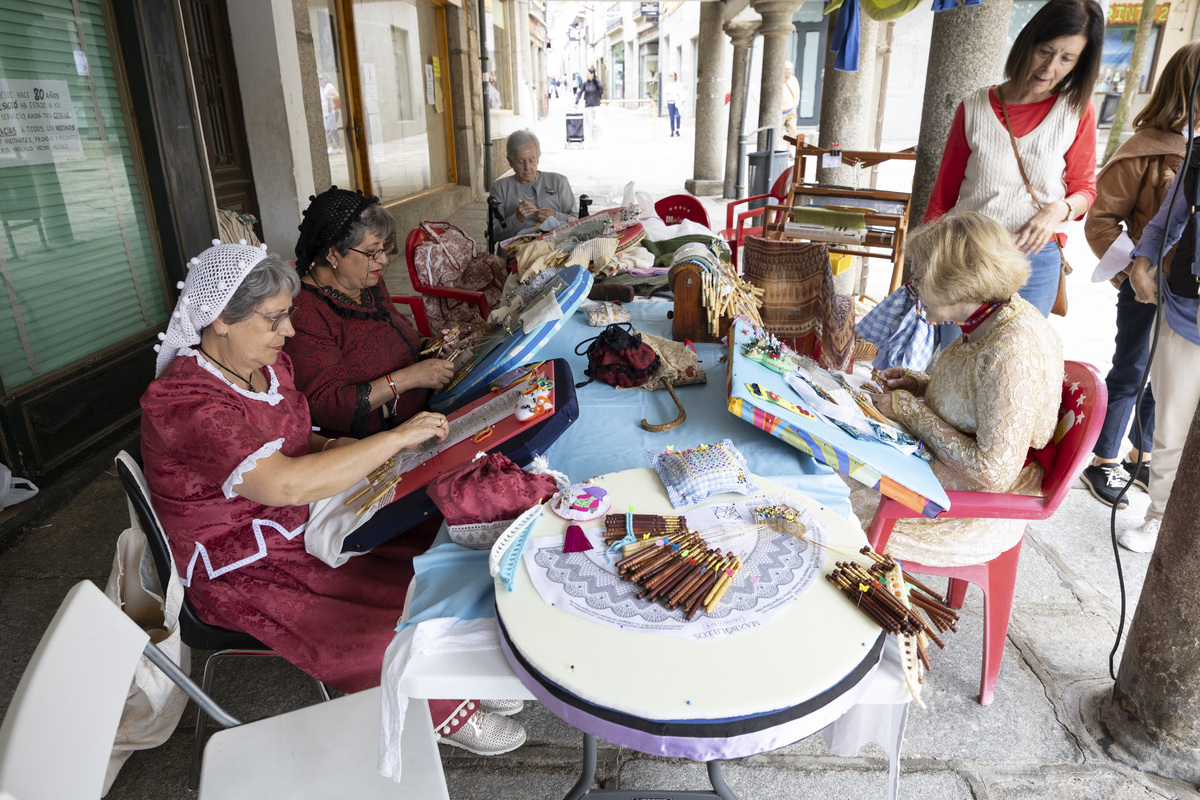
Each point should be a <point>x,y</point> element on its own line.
<point>1084,401</point>
<point>677,207</point>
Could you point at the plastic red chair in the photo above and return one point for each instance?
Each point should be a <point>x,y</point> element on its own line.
<point>417,306</point>
<point>678,207</point>
<point>1084,400</point>
<point>416,237</point>
<point>733,234</point>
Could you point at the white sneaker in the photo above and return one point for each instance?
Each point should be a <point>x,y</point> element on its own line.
<point>1142,538</point>
<point>487,734</point>
<point>505,708</point>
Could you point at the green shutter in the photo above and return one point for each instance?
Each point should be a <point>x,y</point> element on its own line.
<point>78,264</point>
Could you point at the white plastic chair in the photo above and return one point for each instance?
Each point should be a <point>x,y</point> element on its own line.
<point>59,729</point>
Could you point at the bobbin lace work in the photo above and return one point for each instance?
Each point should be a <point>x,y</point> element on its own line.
<point>985,404</point>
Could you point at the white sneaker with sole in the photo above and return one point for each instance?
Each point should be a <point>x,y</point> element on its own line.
<point>1142,538</point>
<point>487,734</point>
<point>505,708</point>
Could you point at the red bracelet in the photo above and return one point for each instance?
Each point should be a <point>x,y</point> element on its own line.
<point>392,385</point>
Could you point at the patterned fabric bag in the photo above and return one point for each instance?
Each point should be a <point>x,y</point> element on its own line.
<point>619,357</point>
<point>450,258</point>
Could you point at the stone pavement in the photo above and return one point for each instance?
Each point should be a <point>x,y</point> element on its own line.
<point>1040,738</point>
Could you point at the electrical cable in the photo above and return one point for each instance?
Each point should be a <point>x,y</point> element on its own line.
<point>1158,321</point>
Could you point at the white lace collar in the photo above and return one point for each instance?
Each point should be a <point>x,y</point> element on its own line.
<point>271,396</point>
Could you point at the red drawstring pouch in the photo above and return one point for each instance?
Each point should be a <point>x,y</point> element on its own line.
<point>488,489</point>
<point>618,357</point>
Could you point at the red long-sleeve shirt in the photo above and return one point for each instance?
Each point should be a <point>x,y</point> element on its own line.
<point>1080,173</point>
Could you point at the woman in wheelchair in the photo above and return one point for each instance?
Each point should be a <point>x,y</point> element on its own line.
<point>991,395</point>
<point>232,463</point>
<point>529,197</point>
<point>356,358</point>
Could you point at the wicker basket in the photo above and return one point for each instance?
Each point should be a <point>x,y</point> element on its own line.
<point>864,350</point>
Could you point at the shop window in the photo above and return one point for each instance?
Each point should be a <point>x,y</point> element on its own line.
<point>323,23</point>
<point>404,103</point>
<point>404,107</point>
<point>79,266</point>
<point>1117,55</point>
<point>500,57</point>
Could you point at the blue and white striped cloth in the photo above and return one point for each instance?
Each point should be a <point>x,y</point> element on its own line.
<point>903,338</point>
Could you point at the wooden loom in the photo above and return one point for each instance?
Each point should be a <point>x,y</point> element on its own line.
<point>885,233</point>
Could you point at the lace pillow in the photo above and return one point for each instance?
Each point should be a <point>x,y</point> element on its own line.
<point>692,475</point>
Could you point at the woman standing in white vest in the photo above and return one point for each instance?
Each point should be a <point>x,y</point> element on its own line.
<point>1043,112</point>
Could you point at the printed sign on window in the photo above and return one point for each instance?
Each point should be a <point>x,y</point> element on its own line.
<point>37,123</point>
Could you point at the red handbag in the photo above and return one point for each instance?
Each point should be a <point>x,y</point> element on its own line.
<point>488,489</point>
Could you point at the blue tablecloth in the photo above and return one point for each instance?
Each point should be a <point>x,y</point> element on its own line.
<point>608,437</point>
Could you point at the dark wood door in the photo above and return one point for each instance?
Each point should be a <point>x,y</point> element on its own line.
<point>206,25</point>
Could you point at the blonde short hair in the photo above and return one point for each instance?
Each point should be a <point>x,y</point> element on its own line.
<point>966,257</point>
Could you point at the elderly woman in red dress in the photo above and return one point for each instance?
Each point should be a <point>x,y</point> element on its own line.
<point>232,463</point>
<point>357,359</point>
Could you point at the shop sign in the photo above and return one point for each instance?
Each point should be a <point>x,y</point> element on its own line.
<point>649,10</point>
<point>1130,13</point>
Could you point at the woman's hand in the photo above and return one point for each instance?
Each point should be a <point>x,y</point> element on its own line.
<point>421,427</point>
<point>432,373</point>
<point>544,213</point>
<point>1143,279</point>
<point>896,379</point>
<point>1033,235</point>
<point>883,403</point>
<point>525,210</point>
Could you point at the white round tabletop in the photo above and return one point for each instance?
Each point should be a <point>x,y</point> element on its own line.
<point>770,685</point>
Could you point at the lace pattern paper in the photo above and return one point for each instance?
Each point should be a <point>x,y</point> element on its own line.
<point>777,570</point>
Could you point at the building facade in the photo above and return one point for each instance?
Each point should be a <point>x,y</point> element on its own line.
<point>131,129</point>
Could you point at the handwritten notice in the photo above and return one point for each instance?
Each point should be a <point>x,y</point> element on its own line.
<point>37,123</point>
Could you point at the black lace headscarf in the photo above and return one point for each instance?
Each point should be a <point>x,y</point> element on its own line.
<point>328,216</point>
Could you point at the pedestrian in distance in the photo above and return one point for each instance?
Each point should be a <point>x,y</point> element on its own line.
<point>591,92</point>
<point>674,97</point>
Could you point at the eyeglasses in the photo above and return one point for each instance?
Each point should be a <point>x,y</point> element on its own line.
<point>386,251</point>
<point>278,319</point>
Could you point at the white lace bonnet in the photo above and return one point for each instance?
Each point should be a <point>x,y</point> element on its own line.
<point>212,279</point>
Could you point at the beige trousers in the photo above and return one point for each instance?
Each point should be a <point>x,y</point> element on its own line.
<point>1175,375</point>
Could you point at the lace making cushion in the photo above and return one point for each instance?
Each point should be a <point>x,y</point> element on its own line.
<point>690,476</point>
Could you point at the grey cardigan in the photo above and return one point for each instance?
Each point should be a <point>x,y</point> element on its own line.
<point>547,189</point>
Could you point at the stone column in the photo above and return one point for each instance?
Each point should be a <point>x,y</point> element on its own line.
<point>776,27</point>
<point>848,101</point>
<point>967,50</point>
<point>712,82</point>
<point>1154,712</point>
<point>526,104</point>
<point>741,33</point>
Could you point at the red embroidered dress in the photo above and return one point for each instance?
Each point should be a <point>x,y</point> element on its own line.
<point>340,347</point>
<point>243,563</point>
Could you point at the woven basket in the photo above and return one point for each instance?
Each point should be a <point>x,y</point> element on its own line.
<point>864,350</point>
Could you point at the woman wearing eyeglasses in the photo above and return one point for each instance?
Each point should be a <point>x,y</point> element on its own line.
<point>357,359</point>
<point>991,395</point>
<point>232,464</point>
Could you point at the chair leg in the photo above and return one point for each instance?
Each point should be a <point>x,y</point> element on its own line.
<point>956,592</point>
<point>210,668</point>
<point>999,587</point>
